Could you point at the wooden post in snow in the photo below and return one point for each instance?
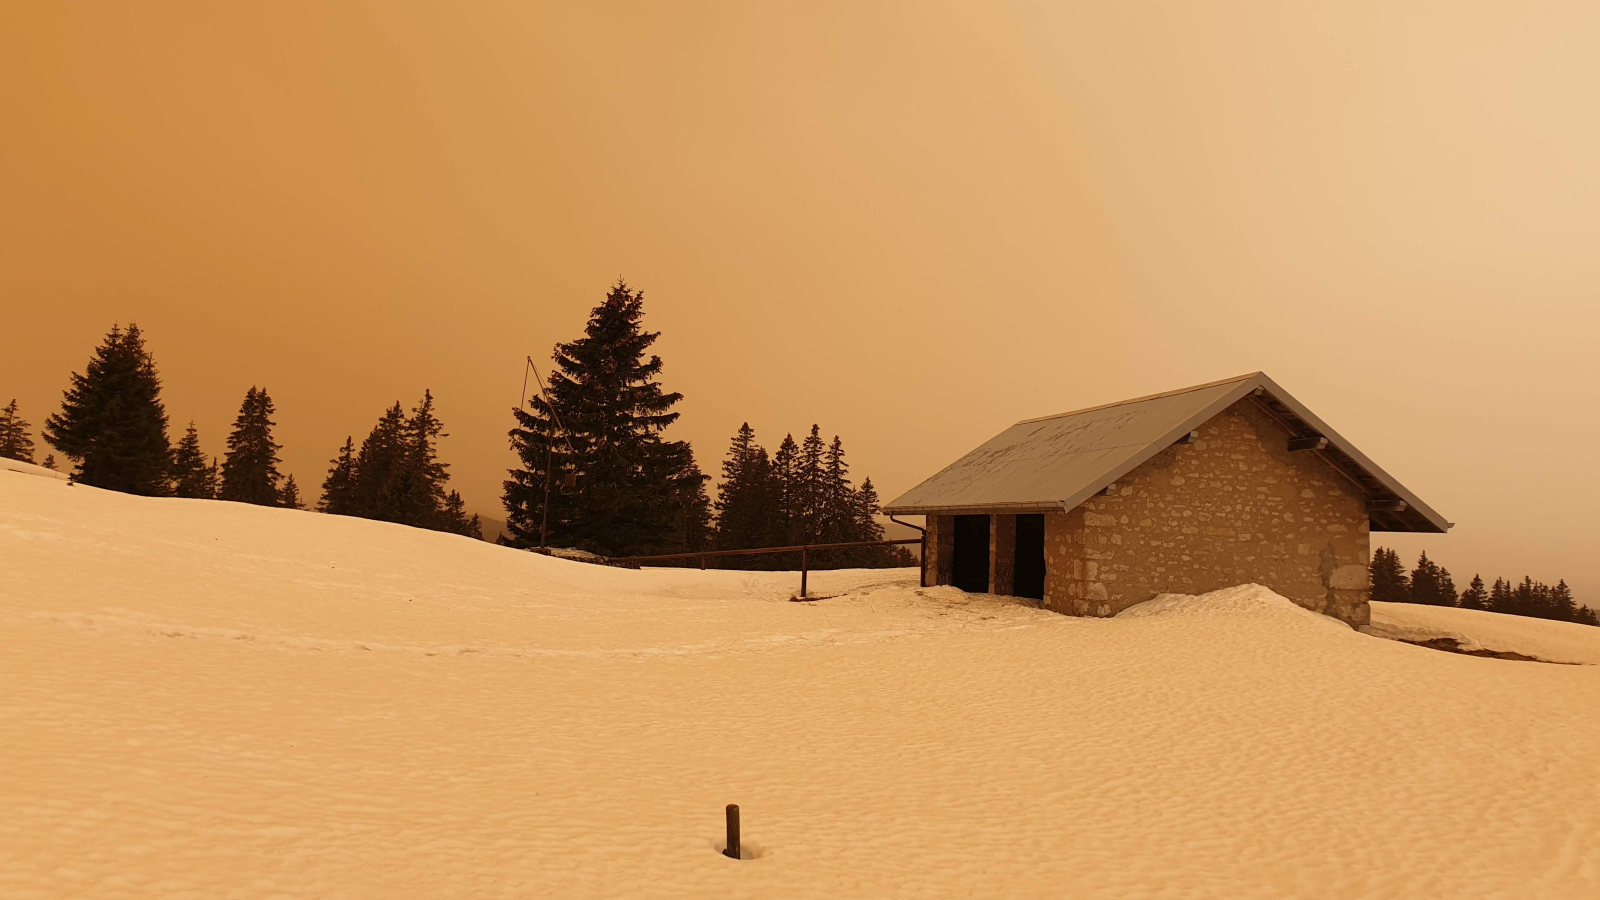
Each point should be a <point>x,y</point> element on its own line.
<point>732,850</point>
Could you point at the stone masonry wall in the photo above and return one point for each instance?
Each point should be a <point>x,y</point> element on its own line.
<point>1234,506</point>
<point>941,546</point>
<point>1002,553</point>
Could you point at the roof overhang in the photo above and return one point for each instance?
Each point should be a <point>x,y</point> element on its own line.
<point>1390,505</point>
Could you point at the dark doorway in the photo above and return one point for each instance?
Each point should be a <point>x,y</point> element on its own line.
<point>969,569</point>
<point>1029,571</point>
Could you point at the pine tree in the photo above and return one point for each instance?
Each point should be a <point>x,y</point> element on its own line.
<point>632,492</point>
<point>416,489</point>
<point>1523,600</point>
<point>1538,598</point>
<point>1586,616</point>
<point>684,498</point>
<point>454,518</point>
<point>112,422</point>
<point>49,461</point>
<point>1562,606</point>
<point>378,468</point>
<point>339,486</point>
<point>745,499</point>
<point>1389,582</point>
<point>397,476</point>
<point>14,440</point>
<point>213,482</point>
<point>1500,599</point>
<point>1475,596</point>
<point>188,472</point>
<point>869,529</point>
<point>250,468</point>
<point>788,493</point>
<point>839,519</point>
<point>289,497</point>
<point>1447,588</point>
<point>1425,582</point>
<point>813,487</point>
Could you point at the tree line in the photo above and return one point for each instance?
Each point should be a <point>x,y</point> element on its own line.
<point>801,494</point>
<point>1430,583</point>
<point>598,475</point>
<point>113,427</point>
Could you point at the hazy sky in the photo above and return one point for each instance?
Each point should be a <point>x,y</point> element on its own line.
<point>914,223</point>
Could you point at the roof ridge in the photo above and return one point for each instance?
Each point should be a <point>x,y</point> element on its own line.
<point>1197,387</point>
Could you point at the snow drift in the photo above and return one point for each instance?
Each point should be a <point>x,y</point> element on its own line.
<point>205,699</point>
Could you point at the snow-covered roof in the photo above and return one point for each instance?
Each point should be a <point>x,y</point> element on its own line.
<point>1057,462</point>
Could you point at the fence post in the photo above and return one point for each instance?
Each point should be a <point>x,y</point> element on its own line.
<point>732,850</point>
<point>803,563</point>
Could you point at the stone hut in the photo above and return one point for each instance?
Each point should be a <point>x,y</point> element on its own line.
<point>1185,492</point>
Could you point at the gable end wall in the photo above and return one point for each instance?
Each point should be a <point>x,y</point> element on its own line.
<point>1235,506</point>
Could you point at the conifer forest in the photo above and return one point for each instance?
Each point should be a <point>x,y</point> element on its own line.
<point>596,471</point>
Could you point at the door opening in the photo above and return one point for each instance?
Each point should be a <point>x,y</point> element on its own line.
<point>969,568</point>
<point>1029,571</point>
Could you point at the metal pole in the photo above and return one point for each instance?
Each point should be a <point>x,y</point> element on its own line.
<point>732,850</point>
<point>549,463</point>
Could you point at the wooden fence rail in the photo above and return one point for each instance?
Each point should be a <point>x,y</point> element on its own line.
<point>803,549</point>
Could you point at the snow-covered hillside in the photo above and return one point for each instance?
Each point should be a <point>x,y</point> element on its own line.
<point>205,699</point>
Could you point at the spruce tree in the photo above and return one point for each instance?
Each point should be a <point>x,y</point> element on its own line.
<point>188,470</point>
<point>112,422</point>
<point>1500,599</point>
<point>1523,599</point>
<point>743,506</point>
<point>455,519</point>
<point>379,468</point>
<point>1586,616</point>
<point>839,519</point>
<point>812,478</point>
<point>289,497</point>
<point>632,492</point>
<point>397,476</point>
<point>213,483</point>
<point>1562,606</point>
<point>735,480</point>
<point>250,468</point>
<point>683,497</point>
<point>14,440</point>
<point>869,529</point>
<point>1446,595</point>
<point>1475,596</point>
<point>1389,582</point>
<point>339,485</point>
<point>417,490</point>
<point>1425,582</point>
<point>49,461</point>
<point>788,491</point>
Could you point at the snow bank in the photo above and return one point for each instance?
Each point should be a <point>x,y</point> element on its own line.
<point>1245,600</point>
<point>1478,630</point>
<point>208,699</point>
<point>21,468</point>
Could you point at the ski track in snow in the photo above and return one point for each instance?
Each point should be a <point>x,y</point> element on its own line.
<point>212,700</point>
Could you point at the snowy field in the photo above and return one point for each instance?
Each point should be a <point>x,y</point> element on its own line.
<point>206,700</point>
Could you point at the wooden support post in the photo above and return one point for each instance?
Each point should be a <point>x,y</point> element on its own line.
<point>803,563</point>
<point>732,849</point>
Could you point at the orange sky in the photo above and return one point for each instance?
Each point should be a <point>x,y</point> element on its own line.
<point>913,223</point>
